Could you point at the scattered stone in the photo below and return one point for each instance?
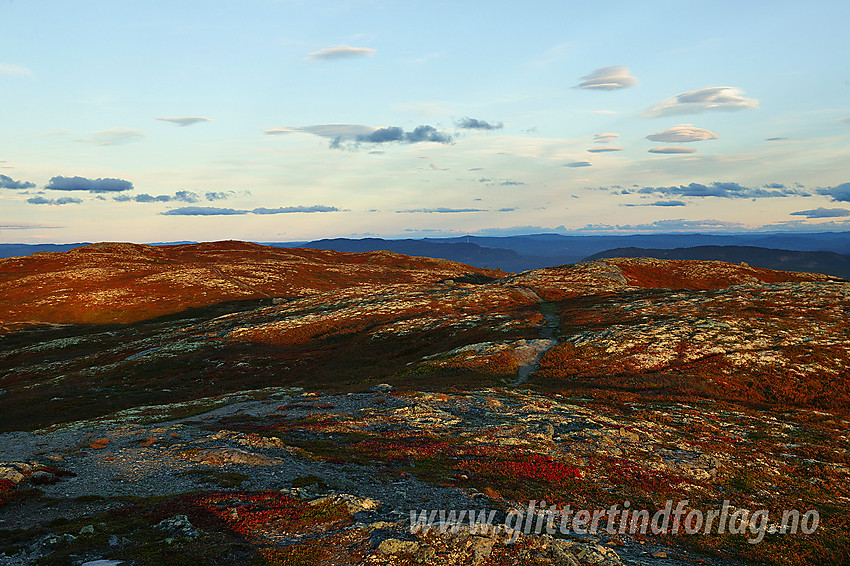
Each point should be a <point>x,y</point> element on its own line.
<point>228,456</point>
<point>355,504</point>
<point>178,525</point>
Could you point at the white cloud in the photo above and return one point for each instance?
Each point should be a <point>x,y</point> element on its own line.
<point>334,131</point>
<point>605,137</point>
<point>185,120</point>
<point>340,52</point>
<point>114,136</point>
<point>672,149</point>
<point>608,78</point>
<point>683,133</point>
<point>703,100</point>
<point>605,149</point>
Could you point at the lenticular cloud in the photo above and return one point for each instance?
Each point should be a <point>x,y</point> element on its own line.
<point>608,78</point>
<point>724,98</point>
<point>683,133</point>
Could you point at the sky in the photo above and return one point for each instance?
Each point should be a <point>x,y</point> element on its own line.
<point>288,120</point>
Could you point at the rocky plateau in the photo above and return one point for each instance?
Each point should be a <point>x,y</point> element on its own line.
<point>230,403</point>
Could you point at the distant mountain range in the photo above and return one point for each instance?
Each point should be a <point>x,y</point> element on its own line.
<point>533,251</point>
<point>829,263</point>
<point>824,252</point>
<point>15,250</point>
<point>470,253</point>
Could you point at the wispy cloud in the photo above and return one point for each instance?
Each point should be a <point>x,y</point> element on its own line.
<point>724,98</point>
<point>26,226</point>
<point>58,201</point>
<point>184,120</point>
<point>340,52</point>
<point>475,124</point>
<point>216,211</point>
<point>58,132</point>
<point>294,209</point>
<point>203,211</point>
<point>500,182</point>
<point>662,203</point>
<point>554,54</point>
<point>10,69</point>
<point>718,189</point>
<point>822,213</point>
<point>440,210</point>
<point>672,149</point>
<point>333,131</point>
<point>683,133</point>
<point>604,149</point>
<point>181,196</point>
<point>426,108</point>
<point>340,133</point>
<point>578,164</point>
<point>666,226</point>
<point>605,137</point>
<point>608,78</point>
<point>421,60</point>
<point>7,182</point>
<point>108,185</point>
<point>114,136</point>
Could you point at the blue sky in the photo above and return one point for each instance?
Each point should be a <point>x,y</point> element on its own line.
<point>290,120</point>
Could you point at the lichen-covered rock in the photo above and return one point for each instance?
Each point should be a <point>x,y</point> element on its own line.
<point>396,546</point>
<point>178,525</point>
<point>228,456</point>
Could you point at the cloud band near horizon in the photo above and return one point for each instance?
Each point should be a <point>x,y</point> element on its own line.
<point>216,211</point>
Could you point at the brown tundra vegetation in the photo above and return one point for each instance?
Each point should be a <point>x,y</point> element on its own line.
<point>243,404</point>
